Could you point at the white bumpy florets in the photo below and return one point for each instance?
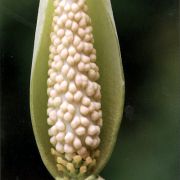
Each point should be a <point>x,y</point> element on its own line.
<point>74,107</point>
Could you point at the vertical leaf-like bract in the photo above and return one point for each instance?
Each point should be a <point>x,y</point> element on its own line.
<point>69,77</point>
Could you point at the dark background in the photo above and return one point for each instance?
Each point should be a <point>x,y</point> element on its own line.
<point>148,146</point>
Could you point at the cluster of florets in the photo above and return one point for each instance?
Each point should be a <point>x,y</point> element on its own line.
<point>74,107</point>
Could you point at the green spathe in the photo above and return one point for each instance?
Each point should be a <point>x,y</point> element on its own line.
<point>111,79</point>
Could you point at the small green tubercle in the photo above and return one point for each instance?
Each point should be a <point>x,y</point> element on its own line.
<point>92,177</point>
